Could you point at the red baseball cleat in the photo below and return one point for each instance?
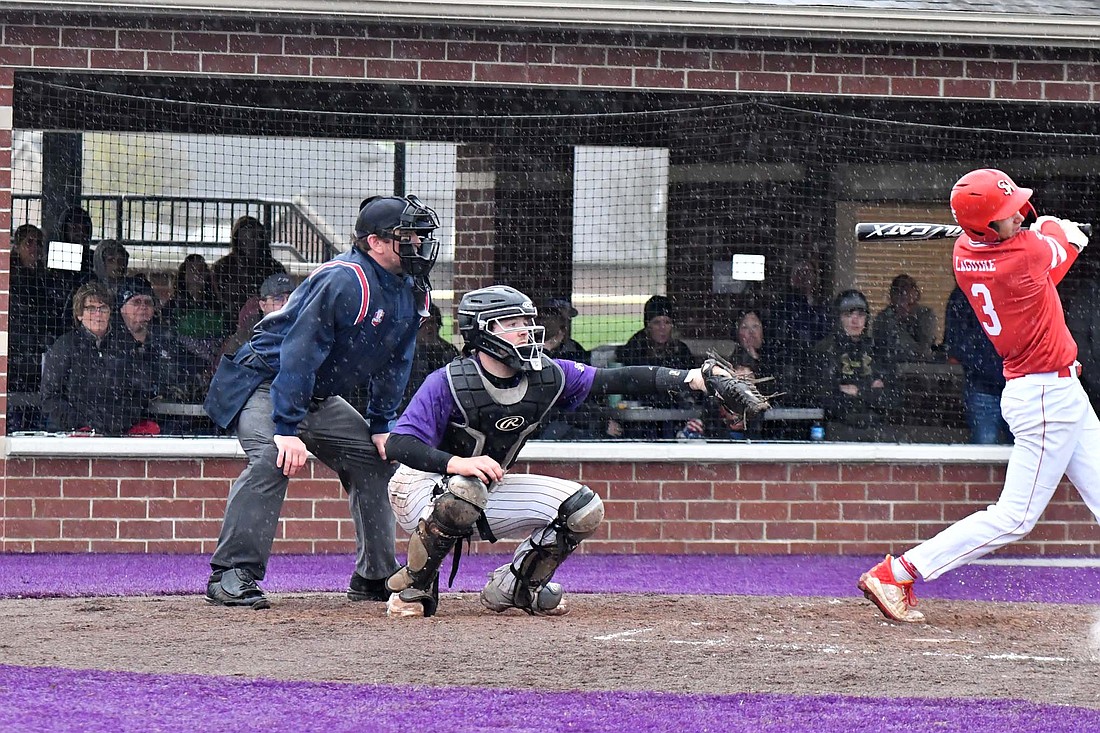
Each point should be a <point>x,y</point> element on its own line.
<point>893,597</point>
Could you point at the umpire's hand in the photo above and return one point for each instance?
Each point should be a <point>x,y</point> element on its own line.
<point>292,453</point>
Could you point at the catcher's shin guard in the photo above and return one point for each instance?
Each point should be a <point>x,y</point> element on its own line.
<point>539,556</point>
<point>454,514</point>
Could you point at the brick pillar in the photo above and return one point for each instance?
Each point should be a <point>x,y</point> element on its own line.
<point>475,218</point>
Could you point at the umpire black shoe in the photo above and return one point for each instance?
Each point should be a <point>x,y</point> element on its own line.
<point>367,589</point>
<point>235,587</point>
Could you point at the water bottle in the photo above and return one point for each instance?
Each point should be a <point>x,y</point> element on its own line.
<point>817,431</point>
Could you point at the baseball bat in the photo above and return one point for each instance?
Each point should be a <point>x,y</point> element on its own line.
<point>901,231</point>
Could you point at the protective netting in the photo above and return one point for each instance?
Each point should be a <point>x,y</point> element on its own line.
<point>731,223</point>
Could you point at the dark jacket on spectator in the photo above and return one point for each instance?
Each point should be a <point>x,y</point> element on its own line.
<point>965,340</point>
<point>843,360</point>
<point>90,385</point>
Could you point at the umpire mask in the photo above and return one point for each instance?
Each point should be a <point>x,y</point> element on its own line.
<point>397,218</point>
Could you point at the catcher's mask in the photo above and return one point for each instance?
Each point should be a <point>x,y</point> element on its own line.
<point>396,219</point>
<point>479,310</point>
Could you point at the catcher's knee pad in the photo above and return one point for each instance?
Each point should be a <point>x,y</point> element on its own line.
<point>539,556</point>
<point>581,513</point>
<point>454,514</point>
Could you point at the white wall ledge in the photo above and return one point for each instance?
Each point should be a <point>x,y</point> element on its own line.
<point>694,451</point>
<point>830,20</point>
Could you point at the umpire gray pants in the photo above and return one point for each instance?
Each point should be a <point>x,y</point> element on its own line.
<point>339,437</point>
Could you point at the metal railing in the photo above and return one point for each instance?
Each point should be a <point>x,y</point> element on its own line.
<point>183,221</point>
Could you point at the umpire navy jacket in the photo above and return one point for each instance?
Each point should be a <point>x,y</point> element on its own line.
<point>349,324</point>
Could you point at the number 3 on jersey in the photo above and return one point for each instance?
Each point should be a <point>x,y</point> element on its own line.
<point>981,291</point>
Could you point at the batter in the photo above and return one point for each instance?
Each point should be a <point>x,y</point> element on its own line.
<point>1008,275</point>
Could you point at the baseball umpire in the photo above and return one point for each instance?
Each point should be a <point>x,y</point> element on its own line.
<point>462,432</point>
<point>351,323</point>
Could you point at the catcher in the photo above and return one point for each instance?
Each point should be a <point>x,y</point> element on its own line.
<point>463,430</point>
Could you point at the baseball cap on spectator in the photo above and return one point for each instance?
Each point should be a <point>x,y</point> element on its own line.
<point>277,284</point>
<point>562,306</point>
<point>132,287</point>
<point>658,305</point>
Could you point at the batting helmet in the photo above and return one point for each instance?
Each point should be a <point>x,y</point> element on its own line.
<point>480,309</point>
<point>396,218</point>
<point>987,195</point>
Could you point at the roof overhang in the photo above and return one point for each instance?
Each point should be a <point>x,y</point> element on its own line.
<point>702,17</point>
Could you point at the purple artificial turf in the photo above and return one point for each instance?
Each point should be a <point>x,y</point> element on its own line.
<point>45,575</point>
<point>49,700</point>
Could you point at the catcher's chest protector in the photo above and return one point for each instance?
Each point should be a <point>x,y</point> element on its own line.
<point>497,422</point>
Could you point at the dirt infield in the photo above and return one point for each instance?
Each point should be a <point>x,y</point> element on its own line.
<point>696,644</point>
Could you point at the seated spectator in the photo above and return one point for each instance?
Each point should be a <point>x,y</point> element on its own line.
<point>752,350</point>
<point>966,343</point>
<point>273,295</point>
<point>559,312</point>
<point>33,321</point>
<point>152,353</point>
<point>585,422</point>
<point>249,262</point>
<point>432,352</point>
<point>195,314</point>
<point>86,386</point>
<point>656,345</point>
<point>904,330</point>
<point>856,382</point>
<point>757,355</point>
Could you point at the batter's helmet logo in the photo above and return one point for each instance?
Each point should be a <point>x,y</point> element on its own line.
<point>1006,186</point>
<point>510,423</point>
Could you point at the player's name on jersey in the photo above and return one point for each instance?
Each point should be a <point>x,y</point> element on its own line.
<point>964,265</point>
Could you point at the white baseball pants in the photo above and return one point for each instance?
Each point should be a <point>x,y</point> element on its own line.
<point>1056,433</point>
<point>519,504</point>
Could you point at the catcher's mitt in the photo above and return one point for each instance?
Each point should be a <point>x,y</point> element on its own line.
<point>737,392</point>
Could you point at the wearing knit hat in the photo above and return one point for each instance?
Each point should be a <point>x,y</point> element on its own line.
<point>658,305</point>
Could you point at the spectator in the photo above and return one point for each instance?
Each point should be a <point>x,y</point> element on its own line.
<point>756,354</point>
<point>752,350</point>
<point>560,312</point>
<point>804,319</point>
<point>656,345</point>
<point>194,313</point>
<point>273,295</point>
<point>241,272</point>
<point>904,329</point>
<point>855,382</point>
<point>85,384</point>
<point>966,343</point>
<point>1082,308</point>
<point>432,352</point>
<point>33,310</point>
<point>585,422</point>
<point>152,353</point>
<point>110,261</point>
<point>75,226</point>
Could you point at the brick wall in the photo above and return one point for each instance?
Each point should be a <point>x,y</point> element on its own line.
<point>82,505</point>
<point>449,55</point>
<point>176,505</point>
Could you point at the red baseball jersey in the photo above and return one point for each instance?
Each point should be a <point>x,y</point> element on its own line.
<point>1011,287</point>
